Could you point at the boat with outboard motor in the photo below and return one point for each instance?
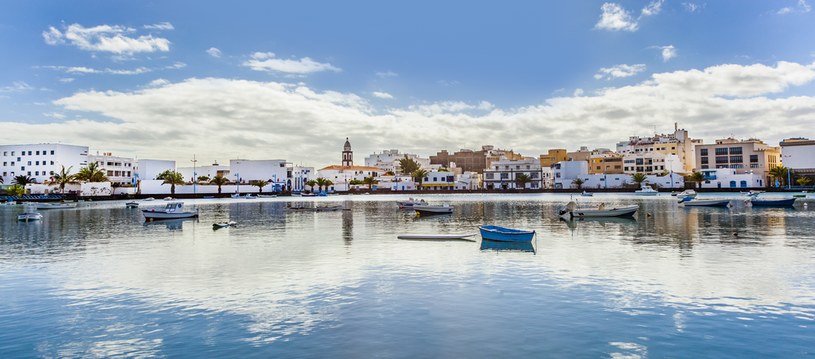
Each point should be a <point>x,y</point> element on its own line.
<point>173,210</point>
<point>571,211</point>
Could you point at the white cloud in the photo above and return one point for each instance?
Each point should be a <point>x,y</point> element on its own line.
<point>615,18</point>
<point>691,7</point>
<point>653,8</point>
<point>158,83</point>
<point>106,38</point>
<point>54,115</point>
<point>239,116</point>
<point>17,87</point>
<point>578,92</point>
<point>619,71</point>
<point>385,74</point>
<point>801,7</point>
<point>160,26</point>
<point>266,61</point>
<point>668,52</point>
<point>66,80</point>
<point>82,70</point>
<point>383,95</point>
<point>214,52</point>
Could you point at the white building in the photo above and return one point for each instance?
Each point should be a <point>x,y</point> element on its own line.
<point>730,178</point>
<point>388,160</point>
<point>436,180</point>
<point>468,181</point>
<point>651,163</point>
<point>397,183</point>
<point>150,169</point>
<point>565,172</point>
<point>502,174</point>
<point>677,143</point>
<point>341,176</point>
<point>40,161</point>
<point>210,171</point>
<point>300,175</point>
<point>603,181</point>
<point>275,171</point>
<point>118,169</point>
<point>798,154</point>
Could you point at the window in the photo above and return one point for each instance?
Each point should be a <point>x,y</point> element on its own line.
<point>504,175</point>
<point>29,163</point>
<point>5,163</point>
<point>52,173</point>
<point>753,158</point>
<point>52,152</point>
<point>735,150</point>
<point>37,173</point>
<point>38,163</point>
<point>490,176</point>
<point>721,159</point>
<point>704,160</point>
<point>721,151</point>
<point>12,153</point>
<point>736,159</point>
<point>38,153</point>
<point>5,153</point>
<point>29,153</point>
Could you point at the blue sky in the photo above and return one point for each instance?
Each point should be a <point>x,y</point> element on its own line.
<point>291,80</point>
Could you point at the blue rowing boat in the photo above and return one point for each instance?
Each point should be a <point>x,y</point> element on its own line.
<point>787,202</point>
<point>501,234</point>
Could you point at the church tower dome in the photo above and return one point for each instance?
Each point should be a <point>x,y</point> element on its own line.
<point>347,154</point>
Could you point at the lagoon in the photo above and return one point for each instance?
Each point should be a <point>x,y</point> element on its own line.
<point>97,281</point>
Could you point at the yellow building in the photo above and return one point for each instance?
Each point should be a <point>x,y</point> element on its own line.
<point>553,156</point>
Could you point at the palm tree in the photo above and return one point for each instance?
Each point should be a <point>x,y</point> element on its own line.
<point>328,183</point>
<point>259,184</point>
<point>63,177</point>
<point>23,180</point>
<point>577,182</point>
<point>697,178</point>
<point>390,173</point>
<point>803,181</point>
<point>370,181</point>
<point>311,184</point>
<point>15,190</point>
<point>320,182</point>
<point>779,173</point>
<point>219,181</point>
<point>173,178</point>
<point>419,175</point>
<point>91,173</point>
<point>639,178</point>
<point>522,179</point>
<point>203,179</point>
<point>408,165</point>
<point>2,180</point>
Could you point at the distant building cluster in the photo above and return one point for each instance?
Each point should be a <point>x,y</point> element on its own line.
<point>661,160</point>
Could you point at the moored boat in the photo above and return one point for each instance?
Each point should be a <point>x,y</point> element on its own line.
<point>410,203</point>
<point>587,194</point>
<point>29,216</point>
<point>173,210</point>
<point>438,237</point>
<point>132,204</point>
<point>784,202</point>
<point>688,193</point>
<point>691,202</point>
<point>427,209</point>
<point>220,225</point>
<point>55,205</point>
<point>571,211</point>
<point>503,234</point>
<point>646,191</point>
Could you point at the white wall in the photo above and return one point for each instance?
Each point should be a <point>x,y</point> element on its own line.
<point>150,169</point>
<point>64,155</point>
<point>798,157</point>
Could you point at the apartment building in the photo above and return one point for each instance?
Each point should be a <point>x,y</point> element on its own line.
<point>40,161</point>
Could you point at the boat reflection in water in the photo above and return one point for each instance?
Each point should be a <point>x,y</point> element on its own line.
<point>172,224</point>
<point>525,246</point>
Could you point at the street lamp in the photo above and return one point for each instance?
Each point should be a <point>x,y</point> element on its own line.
<point>194,174</point>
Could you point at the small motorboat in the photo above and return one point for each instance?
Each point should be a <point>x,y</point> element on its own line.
<point>800,195</point>
<point>55,205</point>
<point>646,191</point>
<point>426,209</point>
<point>267,196</point>
<point>410,203</point>
<point>149,199</point>
<point>29,216</point>
<point>308,194</point>
<point>220,225</point>
<point>571,211</point>
<point>168,198</point>
<point>503,234</point>
<point>688,193</point>
<point>173,210</point>
<point>587,194</point>
<point>691,202</point>
<point>784,202</point>
<point>438,237</point>
<point>132,205</point>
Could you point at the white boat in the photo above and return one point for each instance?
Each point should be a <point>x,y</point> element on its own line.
<point>587,194</point>
<point>55,205</point>
<point>132,204</point>
<point>411,202</point>
<point>149,199</point>
<point>168,198</point>
<point>688,193</point>
<point>438,237</point>
<point>571,211</point>
<point>427,209</point>
<point>173,210</point>
<point>646,191</point>
<point>223,225</point>
<point>29,216</point>
<point>705,202</point>
<point>267,196</point>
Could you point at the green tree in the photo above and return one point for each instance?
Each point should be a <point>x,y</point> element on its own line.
<point>15,190</point>
<point>320,182</point>
<point>203,179</point>
<point>390,173</point>
<point>2,180</point>
<point>91,173</point>
<point>370,181</point>
<point>779,173</point>
<point>259,184</point>
<point>639,178</point>
<point>219,181</point>
<point>803,181</point>
<point>311,184</point>
<point>419,175</point>
<point>63,177</point>
<point>697,178</point>
<point>328,183</point>
<point>173,178</point>
<point>408,165</point>
<point>522,179</point>
<point>23,180</point>
<point>577,182</point>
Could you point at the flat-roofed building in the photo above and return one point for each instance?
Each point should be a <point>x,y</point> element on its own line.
<point>743,156</point>
<point>40,161</point>
<point>553,156</point>
<point>798,154</point>
<point>119,170</point>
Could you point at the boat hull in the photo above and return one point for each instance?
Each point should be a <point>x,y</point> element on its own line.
<point>29,217</point>
<point>500,234</point>
<point>773,202</point>
<point>605,213</point>
<point>433,210</point>
<point>437,237</point>
<point>154,215</point>
<point>708,203</point>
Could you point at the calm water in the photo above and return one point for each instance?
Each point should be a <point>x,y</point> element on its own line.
<point>703,282</point>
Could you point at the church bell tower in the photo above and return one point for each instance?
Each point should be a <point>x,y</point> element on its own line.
<point>347,154</point>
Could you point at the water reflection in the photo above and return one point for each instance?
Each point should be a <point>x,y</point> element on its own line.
<point>171,224</point>
<point>487,244</point>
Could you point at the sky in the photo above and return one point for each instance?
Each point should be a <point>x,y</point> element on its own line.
<point>292,80</point>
